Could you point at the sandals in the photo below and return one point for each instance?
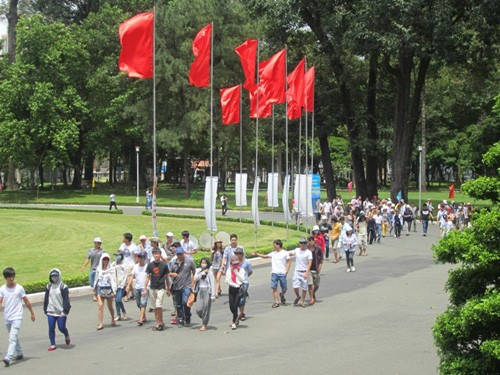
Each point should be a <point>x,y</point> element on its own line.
<point>140,323</point>
<point>160,327</point>
<point>100,327</point>
<point>296,300</point>
<point>283,300</point>
<point>275,305</point>
<point>242,317</point>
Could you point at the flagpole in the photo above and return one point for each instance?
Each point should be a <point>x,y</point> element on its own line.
<point>212,211</point>
<point>257,145</point>
<point>272,171</point>
<point>299,190</point>
<point>307,158</point>
<point>155,230</point>
<point>241,150</point>
<point>286,140</point>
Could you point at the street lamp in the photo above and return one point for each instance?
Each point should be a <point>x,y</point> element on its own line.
<point>420,148</point>
<point>137,148</point>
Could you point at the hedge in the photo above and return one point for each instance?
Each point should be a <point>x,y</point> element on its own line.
<point>114,212</point>
<point>70,281</point>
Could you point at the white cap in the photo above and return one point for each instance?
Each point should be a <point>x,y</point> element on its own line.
<point>316,227</point>
<point>170,234</point>
<point>97,239</point>
<point>348,228</point>
<point>323,217</point>
<point>143,237</point>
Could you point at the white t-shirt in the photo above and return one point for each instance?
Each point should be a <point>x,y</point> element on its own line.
<point>302,258</point>
<point>139,273</point>
<point>12,302</point>
<point>188,246</point>
<point>327,207</point>
<point>128,252</point>
<point>278,261</point>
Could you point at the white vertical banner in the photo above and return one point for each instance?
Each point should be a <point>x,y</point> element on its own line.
<point>255,202</point>
<point>284,199</point>
<point>210,202</point>
<point>302,195</point>
<point>240,189</point>
<point>308,196</point>
<point>272,190</point>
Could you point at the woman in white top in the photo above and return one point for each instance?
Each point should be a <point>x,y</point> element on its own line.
<point>105,284</point>
<point>234,278</point>
<point>204,286</point>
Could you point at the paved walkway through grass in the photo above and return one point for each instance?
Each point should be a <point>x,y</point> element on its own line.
<point>377,320</point>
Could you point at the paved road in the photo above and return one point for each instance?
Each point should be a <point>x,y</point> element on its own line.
<point>377,320</point>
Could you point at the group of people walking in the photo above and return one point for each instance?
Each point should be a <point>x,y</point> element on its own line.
<point>152,271</point>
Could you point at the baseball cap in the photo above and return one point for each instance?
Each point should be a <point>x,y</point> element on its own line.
<point>179,250</point>
<point>154,239</point>
<point>97,239</point>
<point>143,237</point>
<point>234,259</point>
<point>316,227</point>
<point>238,250</point>
<point>141,255</point>
<point>170,234</point>
<point>302,240</point>
<point>323,217</point>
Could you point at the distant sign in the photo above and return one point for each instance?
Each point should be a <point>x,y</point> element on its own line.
<point>316,187</point>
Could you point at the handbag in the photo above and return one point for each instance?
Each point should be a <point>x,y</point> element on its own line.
<point>191,299</point>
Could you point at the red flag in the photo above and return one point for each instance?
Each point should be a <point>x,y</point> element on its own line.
<point>309,90</point>
<point>199,73</point>
<point>452,191</point>
<point>295,92</point>
<point>272,74</point>
<point>136,38</point>
<point>248,54</point>
<point>258,96</point>
<point>230,104</point>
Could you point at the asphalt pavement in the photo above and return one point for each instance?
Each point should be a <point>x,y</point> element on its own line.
<point>377,320</point>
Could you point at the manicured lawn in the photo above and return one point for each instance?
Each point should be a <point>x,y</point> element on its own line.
<point>33,242</point>
<point>169,196</point>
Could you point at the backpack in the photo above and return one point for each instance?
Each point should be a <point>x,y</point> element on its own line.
<point>408,212</point>
<point>397,220</point>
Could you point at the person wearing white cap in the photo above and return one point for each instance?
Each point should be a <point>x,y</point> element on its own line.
<point>144,248</point>
<point>93,257</point>
<point>168,245</point>
<point>350,243</point>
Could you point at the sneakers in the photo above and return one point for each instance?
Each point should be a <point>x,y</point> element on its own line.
<point>7,362</point>
<point>124,316</point>
<point>117,318</point>
<point>233,327</point>
<point>188,320</point>
<point>19,357</point>
<point>68,340</point>
<point>348,270</point>
<point>173,321</point>
<point>353,269</point>
<point>52,348</point>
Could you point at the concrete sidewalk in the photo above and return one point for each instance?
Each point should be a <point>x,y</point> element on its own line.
<point>377,320</point>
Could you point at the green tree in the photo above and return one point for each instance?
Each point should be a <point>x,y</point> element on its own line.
<point>468,333</point>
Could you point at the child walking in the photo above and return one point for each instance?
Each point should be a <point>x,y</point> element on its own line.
<point>56,306</point>
<point>350,243</point>
<point>11,296</point>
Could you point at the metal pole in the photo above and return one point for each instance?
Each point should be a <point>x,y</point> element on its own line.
<point>155,229</point>
<point>287,172</point>
<point>137,148</point>
<point>211,126</point>
<point>241,150</point>
<point>420,148</point>
<point>272,172</point>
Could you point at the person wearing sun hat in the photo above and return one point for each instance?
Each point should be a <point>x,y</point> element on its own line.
<point>93,257</point>
<point>235,276</point>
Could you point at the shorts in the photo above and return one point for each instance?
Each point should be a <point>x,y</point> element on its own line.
<point>335,244</point>
<point>278,277</point>
<point>157,296</point>
<point>363,240</point>
<point>140,300</point>
<point>313,278</point>
<point>105,292</point>
<point>299,281</point>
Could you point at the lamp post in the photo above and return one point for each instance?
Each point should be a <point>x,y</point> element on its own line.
<point>420,148</point>
<point>137,148</point>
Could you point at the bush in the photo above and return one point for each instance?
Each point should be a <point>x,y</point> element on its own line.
<point>114,212</point>
<point>70,281</point>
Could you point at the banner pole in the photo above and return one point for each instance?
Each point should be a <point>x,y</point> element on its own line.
<point>155,230</point>
<point>241,150</point>
<point>212,210</point>
<point>307,161</point>
<point>287,172</point>
<point>257,147</point>
<point>272,171</point>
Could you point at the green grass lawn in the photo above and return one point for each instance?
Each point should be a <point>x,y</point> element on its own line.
<point>33,242</point>
<point>169,196</point>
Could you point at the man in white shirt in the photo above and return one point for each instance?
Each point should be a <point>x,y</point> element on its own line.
<point>303,262</point>
<point>280,265</point>
<point>187,245</point>
<point>129,251</point>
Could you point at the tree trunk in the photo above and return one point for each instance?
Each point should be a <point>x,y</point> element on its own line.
<point>77,165</point>
<point>372,150</point>
<point>41,180</point>
<point>187,175</point>
<point>406,118</point>
<point>423,130</point>
<point>89,167</point>
<point>12,18</point>
<point>331,189</point>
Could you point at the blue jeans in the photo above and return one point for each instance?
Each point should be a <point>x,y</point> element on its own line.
<point>243,300</point>
<point>181,297</point>
<point>140,300</point>
<point>92,278</point>
<point>425,224</point>
<point>61,324</point>
<point>281,278</point>
<point>120,307</point>
<point>378,231</point>
<point>13,326</point>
